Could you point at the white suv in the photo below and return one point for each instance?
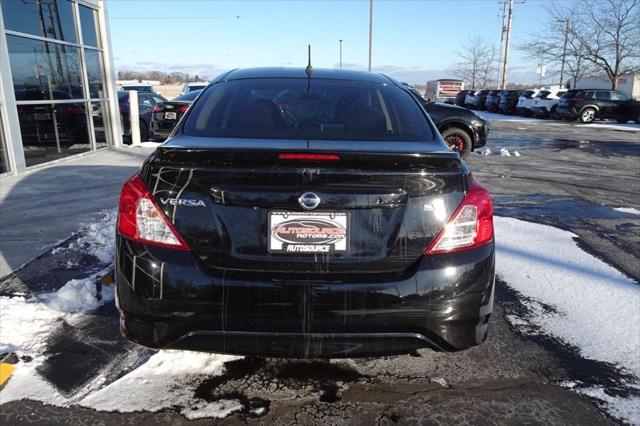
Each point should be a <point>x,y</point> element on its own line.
<point>545,103</point>
<point>525,101</point>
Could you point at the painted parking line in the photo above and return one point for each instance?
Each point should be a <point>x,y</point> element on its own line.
<point>7,366</point>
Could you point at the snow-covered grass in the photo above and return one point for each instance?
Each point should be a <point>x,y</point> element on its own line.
<point>595,307</point>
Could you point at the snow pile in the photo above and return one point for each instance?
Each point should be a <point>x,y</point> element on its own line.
<point>595,307</point>
<point>99,237</point>
<point>168,379</point>
<point>79,295</point>
<point>25,325</point>
<point>629,210</point>
<point>504,152</point>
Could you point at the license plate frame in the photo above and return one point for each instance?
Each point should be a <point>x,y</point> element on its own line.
<point>298,233</point>
<point>170,115</point>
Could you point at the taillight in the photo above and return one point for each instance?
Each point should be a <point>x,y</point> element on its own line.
<point>156,108</point>
<point>308,157</point>
<point>184,108</point>
<point>141,219</point>
<point>471,225</point>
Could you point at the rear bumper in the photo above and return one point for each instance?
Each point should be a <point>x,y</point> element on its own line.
<point>168,299</point>
<point>567,112</point>
<point>162,129</point>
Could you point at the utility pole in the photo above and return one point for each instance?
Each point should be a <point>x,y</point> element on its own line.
<point>340,53</point>
<point>564,48</point>
<point>370,29</point>
<point>505,65</point>
<point>502,30</point>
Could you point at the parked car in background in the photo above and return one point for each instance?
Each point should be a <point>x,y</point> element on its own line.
<point>492,100</point>
<point>481,98</point>
<point>140,88</point>
<point>545,103</point>
<point>587,105</point>
<point>250,232</point>
<point>462,129</point>
<point>166,114</point>
<point>193,86</point>
<point>470,99</point>
<point>460,97</point>
<point>146,102</point>
<point>525,101</point>
<point>508,101</point>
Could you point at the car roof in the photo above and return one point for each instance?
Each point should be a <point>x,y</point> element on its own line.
<point>325,73</point>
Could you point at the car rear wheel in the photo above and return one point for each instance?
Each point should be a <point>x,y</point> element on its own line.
<point>458,140</point>
<point>587,115</point>
<point>144,131</point>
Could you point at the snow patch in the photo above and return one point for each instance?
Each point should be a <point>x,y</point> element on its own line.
<point>168,379</point>
<point>504,152</point>
<point>574,297</point>
<point>629,210</point>
<point>217,409</point>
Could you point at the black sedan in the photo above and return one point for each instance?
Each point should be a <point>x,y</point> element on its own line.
<point>305,214</point>
<point>167,114</point>
<point>146,103</point>
<point>460,128</point>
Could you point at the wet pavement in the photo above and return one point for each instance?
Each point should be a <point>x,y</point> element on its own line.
<point>559,180</point>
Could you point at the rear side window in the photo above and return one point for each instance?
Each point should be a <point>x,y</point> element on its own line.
<point>292,108</point>
<point>603,96</point>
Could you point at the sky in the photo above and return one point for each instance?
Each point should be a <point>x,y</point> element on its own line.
<point>414,41</point>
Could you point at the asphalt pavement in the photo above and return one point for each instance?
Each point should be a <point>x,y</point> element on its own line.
<point>566,175</point>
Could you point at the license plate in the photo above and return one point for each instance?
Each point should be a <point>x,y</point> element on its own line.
<point>308,232</point>
<point>41,116</point>
<point>170,115</point>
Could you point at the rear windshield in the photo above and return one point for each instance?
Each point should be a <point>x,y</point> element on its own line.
<point>324,109</point>
<point>138,88</point>
<point>191,96</point>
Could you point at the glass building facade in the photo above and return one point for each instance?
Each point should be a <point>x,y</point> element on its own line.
<point>56,85</point>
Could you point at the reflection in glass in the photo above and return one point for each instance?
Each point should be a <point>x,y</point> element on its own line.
<point>45,18</point>
<point>99,115</point>
<point>53,131</point>
<point>88,23</point>
<point>4,164</point>
<point>43,70</point>
<point>94,72</point>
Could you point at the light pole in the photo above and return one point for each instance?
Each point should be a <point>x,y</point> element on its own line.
<point>340,53</point>
<point>370,29</point>
<point>564,48</point>
<point>505,63</point>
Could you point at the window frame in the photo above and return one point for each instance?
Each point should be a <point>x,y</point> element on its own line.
<point>86,99</point>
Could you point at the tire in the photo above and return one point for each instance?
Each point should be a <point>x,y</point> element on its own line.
<point>458,140</point>
<point>144,131</point>
<point>587,115</point>
<point>552,113</point>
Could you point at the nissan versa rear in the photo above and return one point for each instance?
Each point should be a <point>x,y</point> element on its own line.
<point>305,214</point>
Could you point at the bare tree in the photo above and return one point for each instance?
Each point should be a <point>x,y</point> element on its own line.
<point>476,63</point>
<point>608,33</point>
<point>548,45</point>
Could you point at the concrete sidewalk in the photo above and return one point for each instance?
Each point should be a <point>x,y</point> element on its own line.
<point>40,208</point>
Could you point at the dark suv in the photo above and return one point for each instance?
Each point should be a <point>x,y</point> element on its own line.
<point>509,101</point>
<point>589,104</point>
<point>492,100</point>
